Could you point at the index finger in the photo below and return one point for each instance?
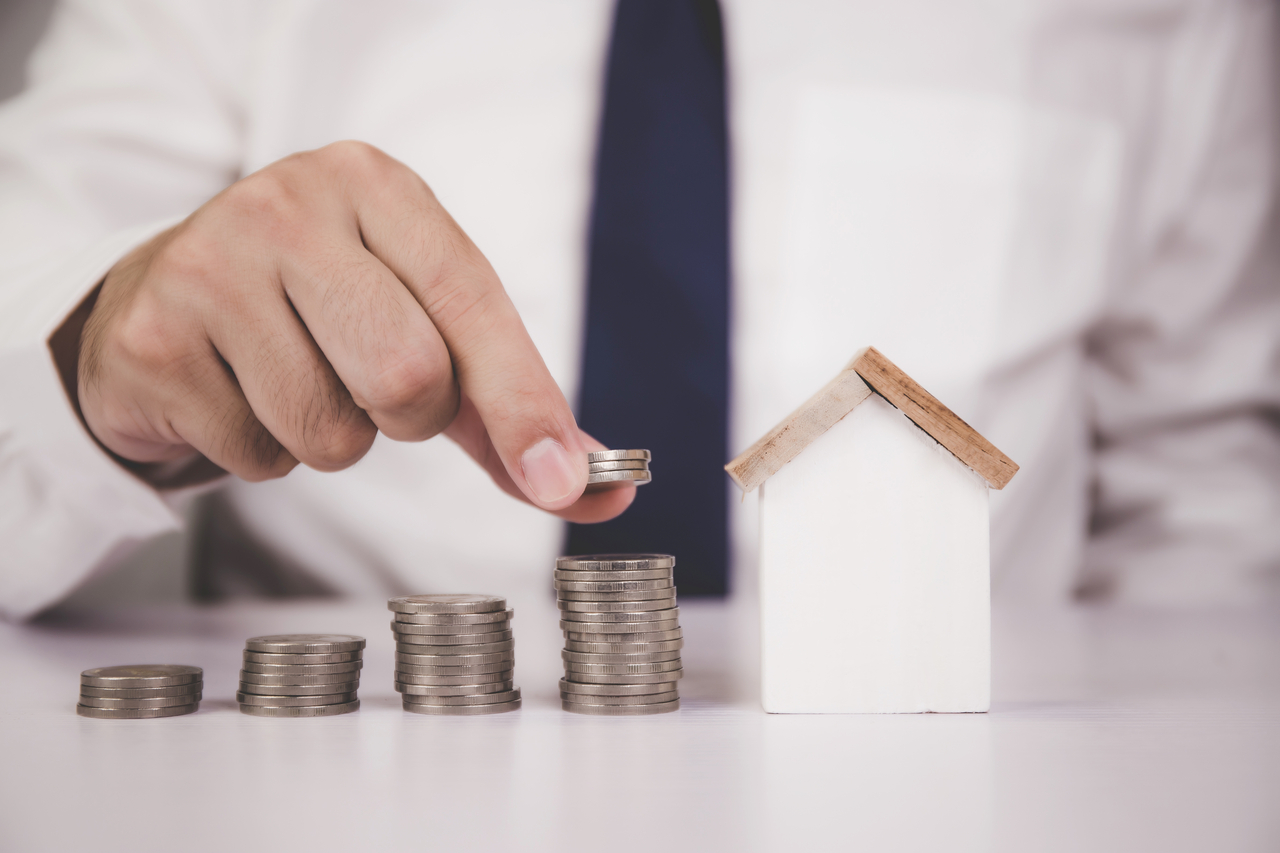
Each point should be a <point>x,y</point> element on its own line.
<point>497,365</point>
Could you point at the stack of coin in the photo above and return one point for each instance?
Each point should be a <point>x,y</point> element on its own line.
<point>622,634</point>
<point>608,469</point>
<point>454,654</point>
<point>135,692</point>
<point>300,675</point>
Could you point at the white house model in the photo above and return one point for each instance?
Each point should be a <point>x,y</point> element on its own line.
<point>874,549</point>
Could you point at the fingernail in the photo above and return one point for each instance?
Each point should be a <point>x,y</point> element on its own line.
<point>549,471</point>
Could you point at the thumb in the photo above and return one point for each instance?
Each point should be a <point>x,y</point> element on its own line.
<point>468,431</point>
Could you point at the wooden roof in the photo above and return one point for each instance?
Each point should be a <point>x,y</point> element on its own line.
<point>869,371</point>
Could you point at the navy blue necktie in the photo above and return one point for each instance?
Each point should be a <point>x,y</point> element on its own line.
<point>655,367</point>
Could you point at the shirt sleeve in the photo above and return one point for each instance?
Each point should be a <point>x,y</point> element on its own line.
<point>131,120</point>
<point>1184,372</point>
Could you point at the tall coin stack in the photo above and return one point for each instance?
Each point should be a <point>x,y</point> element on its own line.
<point>301,675</point>
<point>609,469</point>
<point>455,654</point>
<point>137,692</point>
<point>622,634</point>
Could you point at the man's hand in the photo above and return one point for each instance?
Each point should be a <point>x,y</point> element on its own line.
<point>309,305</point>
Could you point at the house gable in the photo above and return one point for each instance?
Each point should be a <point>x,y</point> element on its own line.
<point>869,371</point>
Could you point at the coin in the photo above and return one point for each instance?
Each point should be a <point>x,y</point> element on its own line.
<point>158,702</point>
<point>269,657</point>
<point>143,675</point>
<point>299,689</point>
<point>616,606</point>
<point>497,675</point>
<point>615,562</point>
<point>305,643</point>
<point>143,692</point>
<point>621,668</point>
<point>136,713</point>
<point>464,651</point>
<point>295,701</point>
<point>447,603</point>
<point>620,710</point>
<point>466,671</point>
<point>647,699</point>
<point>666,615</point>
<point>461,710</point>
<point>615,585</point>
<point>642,637</point>
<point>615,455</point>
<point>454,640</point>
<point>639,575</point>
<point>577,688</point>
<point>621,477</point>
<point>623,648</point>
<point>648,678</point>
<point>478,699</point>
<point>619,465</point>
<point>454,660</point>
<point>455,619</point>
<point>302,669</point>
<point>451,630</point>
<point>453,690</point>
<point>615,658</point>
<point>300,711</point>
<point>594,488</point>
<point>299,680</point>
<point>640,473</point>
<point>628,628</point>
<point>633,595</point>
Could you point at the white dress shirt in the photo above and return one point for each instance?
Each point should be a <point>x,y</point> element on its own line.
<point>1058,217</point>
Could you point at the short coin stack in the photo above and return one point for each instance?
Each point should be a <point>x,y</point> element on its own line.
<point>622,634</point>
<point>454,654</point>
<point>301,675</point>
<point>608,469</point>
<point>137,692</point>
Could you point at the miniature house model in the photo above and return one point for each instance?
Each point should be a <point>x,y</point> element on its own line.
<point>874,549</point>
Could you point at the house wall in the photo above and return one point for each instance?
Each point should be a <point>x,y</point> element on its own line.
<point>875,574</point>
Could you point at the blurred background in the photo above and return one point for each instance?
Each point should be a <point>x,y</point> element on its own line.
<point>22,22</point>
<point>1059,216</point>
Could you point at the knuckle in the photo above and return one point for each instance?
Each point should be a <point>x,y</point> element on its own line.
<point>270,202</point>
<point>470,312</point>
<point>339,445</point>
<point>351,155</point>
<point>357,282</point>
<point>114,419</point>
<point>255,453</point>
<point>331,431</point>
<point>442,411</point>
<point>135,324</point>
<point>409,382</point>
<point>189,256</point>
<point>462,290</point>
<point>147,341</point>
<point>431,418</point>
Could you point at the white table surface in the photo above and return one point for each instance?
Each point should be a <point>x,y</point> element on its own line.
<point>1111,730</point>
